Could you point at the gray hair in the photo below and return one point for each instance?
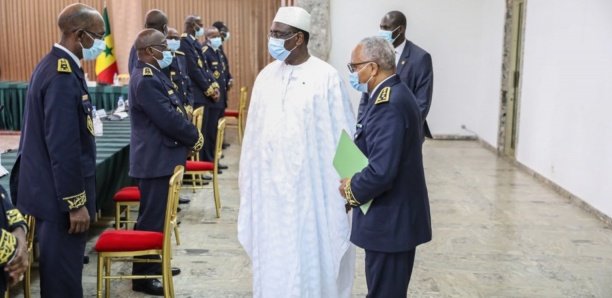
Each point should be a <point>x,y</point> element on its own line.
<point>380,51</point>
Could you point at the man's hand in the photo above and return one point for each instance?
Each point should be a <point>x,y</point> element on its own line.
<point>79,220</point>
<point>216,95</point>
<point>343,186</point>
<point>19,264</point>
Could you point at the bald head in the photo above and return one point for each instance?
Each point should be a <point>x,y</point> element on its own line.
<point>396,18</point>
<point>395,21</point>
<point>149,45</point>
<point>78,16</point>
<point>156,19</point>
<point>211,32</point>
<point>192,23</point>
<point>172,34</point>
<point>149,37</point>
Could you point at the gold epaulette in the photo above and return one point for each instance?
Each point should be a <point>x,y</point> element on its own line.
<point>14,217</point>
<point>63,65</point>
<point>215,85</point>
<point>76,201</point>
<point>8,245</point>
<point>179,53</point>
<point>184,35</point>
<point>200,143</point>
<point>348,193</point>
<point>383,96</point>
<point>147,72</point>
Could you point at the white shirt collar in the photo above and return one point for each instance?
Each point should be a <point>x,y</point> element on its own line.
<point>154,67</point>
<point>380,84</point>
<point>399,50</point>
<point>72,55</point>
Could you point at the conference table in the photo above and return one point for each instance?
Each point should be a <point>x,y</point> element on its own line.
<point>13,94</point>
<point>112,163</point>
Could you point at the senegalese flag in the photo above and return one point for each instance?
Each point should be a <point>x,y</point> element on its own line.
<point>106,64</point>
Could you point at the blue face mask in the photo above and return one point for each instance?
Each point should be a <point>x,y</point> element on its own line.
<point>276,48</point>
<point>215,43</point>
<point>199,32</point>
<point>173,44</point>
<point>166,60</point>
<point>388,35</point>
<point>354,81</point>
<point>95,50</point>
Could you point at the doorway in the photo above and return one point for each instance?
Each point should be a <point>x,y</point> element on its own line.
<point>512,78</point>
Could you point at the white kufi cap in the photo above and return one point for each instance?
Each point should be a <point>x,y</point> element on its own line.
<point>293,16</point>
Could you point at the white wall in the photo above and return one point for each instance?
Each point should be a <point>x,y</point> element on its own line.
<point>565,130</point>
<point>465,39</point>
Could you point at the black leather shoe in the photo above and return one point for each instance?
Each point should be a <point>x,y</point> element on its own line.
<point>184,200</point>
<point>175,271</point>
<point>148,286</point>
<point>206,177</point>
<point>222,166</point>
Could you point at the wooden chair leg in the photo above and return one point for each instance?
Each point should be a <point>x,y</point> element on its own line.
<point>117,216</point>
<point>216,195</point>
<point>176,235</point>
<point>107,272</point>
<point>100,276</point>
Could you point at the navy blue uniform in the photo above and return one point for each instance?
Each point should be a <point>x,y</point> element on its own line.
<point>389,133</point>
<point>57,168</point>
<point>203,86</point>
<point>133,59</point>
<point>177,72</point>
<point>10,219</point>
<point>160,140</point>
<point>214,113</point>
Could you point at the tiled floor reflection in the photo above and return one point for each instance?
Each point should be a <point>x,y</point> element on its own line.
<point>497,233</point>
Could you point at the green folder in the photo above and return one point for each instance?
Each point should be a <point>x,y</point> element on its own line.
<point>349,160</point>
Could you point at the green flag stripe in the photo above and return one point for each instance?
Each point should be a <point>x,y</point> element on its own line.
<point>107,28</point>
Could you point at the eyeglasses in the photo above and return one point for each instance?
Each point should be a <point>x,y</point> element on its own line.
<point>93,35</point>
<point>164,46</point>
<point>281,34</point>
<point>352,67</point>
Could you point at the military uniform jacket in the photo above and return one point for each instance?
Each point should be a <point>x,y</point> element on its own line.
<point>203,83</point>
<point>57,148</point>
<point>389,134</point>
<point>10,220</point>
<point>177,72</point>
<point>219,71</point>
<point>227,66</point>
<point>161,134</point>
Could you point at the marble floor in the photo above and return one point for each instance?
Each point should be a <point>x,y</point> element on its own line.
<point>497,233</point>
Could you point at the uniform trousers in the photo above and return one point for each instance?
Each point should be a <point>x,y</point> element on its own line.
<point>151,216</point>
<point>211,120</point>
<point>388,274</point>
<point>61,254</point>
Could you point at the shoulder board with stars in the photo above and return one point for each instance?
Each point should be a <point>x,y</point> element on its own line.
<point>147,72</point>
<point>63,65</point>
<point>383,96</point>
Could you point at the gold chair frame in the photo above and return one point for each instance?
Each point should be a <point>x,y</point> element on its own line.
<point>105,258</point>
<point>196,176</point>
<point>241,113</point>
